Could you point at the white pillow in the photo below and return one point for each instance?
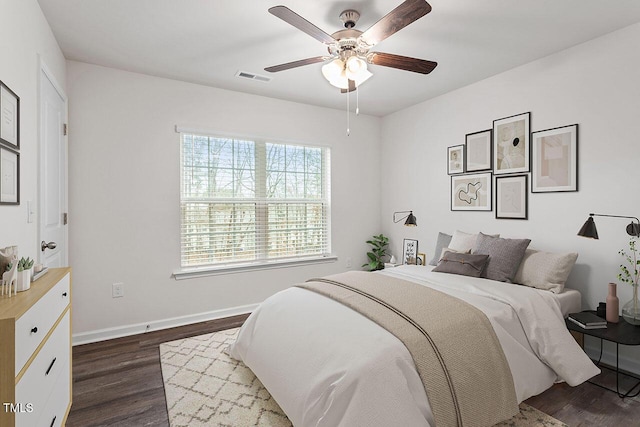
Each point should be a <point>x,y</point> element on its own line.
<point>545,270</point>
<point>465,242</point>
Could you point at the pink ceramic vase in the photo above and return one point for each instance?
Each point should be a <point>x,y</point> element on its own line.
<point>613,305</point>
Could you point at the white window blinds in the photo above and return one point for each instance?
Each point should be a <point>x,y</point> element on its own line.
<point>249,201</point>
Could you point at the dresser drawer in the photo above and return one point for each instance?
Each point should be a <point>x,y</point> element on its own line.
<point>55,411</point>
<point>38,385</point>
<point>33,326</point>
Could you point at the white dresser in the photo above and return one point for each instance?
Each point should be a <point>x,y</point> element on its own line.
<point>35,353</point>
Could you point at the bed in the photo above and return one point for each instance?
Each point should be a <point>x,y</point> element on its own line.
<point>328,365</point>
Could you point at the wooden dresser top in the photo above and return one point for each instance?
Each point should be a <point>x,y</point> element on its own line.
<point>17,305</point>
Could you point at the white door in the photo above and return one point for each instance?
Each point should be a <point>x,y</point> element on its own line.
<point>53,174</point>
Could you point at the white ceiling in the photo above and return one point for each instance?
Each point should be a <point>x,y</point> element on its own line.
<point>209,41</point>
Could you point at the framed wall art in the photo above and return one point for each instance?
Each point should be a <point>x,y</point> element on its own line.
<point>9,117</point>
<point>455,159</point>
<point>9,177</point>
<point>410,252</point>
<point>554,162</point>
<point>511,197</point>
<point>471,192</point>
<point>511,144</point>
<point>478,151</point>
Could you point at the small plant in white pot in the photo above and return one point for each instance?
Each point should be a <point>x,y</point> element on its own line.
<point>25,268</point>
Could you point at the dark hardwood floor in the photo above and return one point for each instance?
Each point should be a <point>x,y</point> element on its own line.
<point>119,383</point>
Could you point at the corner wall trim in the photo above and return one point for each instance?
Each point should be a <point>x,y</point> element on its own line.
<point>156,325</point>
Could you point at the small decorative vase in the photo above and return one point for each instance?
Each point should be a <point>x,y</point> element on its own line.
<point>631,310</point>
<point>24,280</point>
<point>613,305</point>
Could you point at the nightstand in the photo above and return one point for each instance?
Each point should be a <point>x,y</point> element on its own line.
<point>621,333</point>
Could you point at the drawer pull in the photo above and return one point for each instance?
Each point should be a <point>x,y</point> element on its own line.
<point>64,294</point>
<point>53,421</point>
<point>51,366</point>
<point>34,330</point>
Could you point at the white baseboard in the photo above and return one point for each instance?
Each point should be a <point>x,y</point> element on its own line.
<point>140,328</point>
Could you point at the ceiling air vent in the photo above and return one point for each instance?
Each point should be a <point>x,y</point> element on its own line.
<point>251,76</point>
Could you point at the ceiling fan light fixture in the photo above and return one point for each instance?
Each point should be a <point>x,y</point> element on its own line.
<point>355,66</point>
<point>362,77</point>
<point>333,70</point>
<point>339,72</point>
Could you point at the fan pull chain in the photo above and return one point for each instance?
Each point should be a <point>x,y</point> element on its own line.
<point>348,113</point>
<point>357,101</point>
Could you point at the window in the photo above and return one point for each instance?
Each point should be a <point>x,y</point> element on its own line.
<point>252,202</point>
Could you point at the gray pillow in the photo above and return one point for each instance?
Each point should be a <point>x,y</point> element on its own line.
<point>505,256</point>
<point>442,242</point>
<point>463,264</point>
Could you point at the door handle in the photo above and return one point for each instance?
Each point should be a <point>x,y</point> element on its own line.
<point>44,245</point>
<point>51,366</point>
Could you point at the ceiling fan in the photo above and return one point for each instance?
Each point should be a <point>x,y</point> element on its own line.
<point>350,49</point>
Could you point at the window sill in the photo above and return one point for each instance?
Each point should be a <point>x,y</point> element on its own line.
<point>191,273</point>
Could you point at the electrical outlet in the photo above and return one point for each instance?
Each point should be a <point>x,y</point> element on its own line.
<point>117,290</point>
<point>348,263</point>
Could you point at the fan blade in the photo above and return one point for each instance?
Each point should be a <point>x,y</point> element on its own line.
<point>295,64</point>
<point>300,23</point>
<point>352,87</point>
<point>402,62</point>
<point>394,21</point>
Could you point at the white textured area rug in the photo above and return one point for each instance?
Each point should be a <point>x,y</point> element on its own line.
<point>205,387</point>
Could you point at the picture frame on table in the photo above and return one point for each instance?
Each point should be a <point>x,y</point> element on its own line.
<point>478,151</point>
<point>9,117</point>
<point>554,160</point>
<point>511,144</point>
<point>9,176</point>
<point>455,159</point>
<point>512,197</point>
<point>471,192</point>
<point>410,252</point>
<point>422,259</point>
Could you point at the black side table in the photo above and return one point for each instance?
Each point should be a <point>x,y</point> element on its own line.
<point>621,333</point>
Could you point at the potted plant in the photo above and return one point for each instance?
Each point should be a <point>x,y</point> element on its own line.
<point>378,251</point>
<point>629,273</point>
<point>25,266</point>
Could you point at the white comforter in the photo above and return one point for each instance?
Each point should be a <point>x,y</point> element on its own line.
<point>327,365</point>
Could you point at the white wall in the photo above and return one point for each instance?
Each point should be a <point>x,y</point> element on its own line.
<point>25,36</point>
<point>594,84</point>
<point>124,193</point>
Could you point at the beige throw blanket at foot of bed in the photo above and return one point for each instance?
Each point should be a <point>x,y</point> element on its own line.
<point>454,347</point>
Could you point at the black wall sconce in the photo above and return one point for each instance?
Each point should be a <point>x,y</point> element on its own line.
<point>589,227</point>
<point>411,219</point>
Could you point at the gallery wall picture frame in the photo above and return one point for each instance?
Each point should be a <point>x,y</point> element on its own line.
<point>554,160</point>
<point>455,159</point>
<point>478,151</point>
<point>410,252</point>
<point>9,176</point>
<point>9,117</point>
<point>511,144</point>
<point>512,197</point>
<point>471,192</point>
